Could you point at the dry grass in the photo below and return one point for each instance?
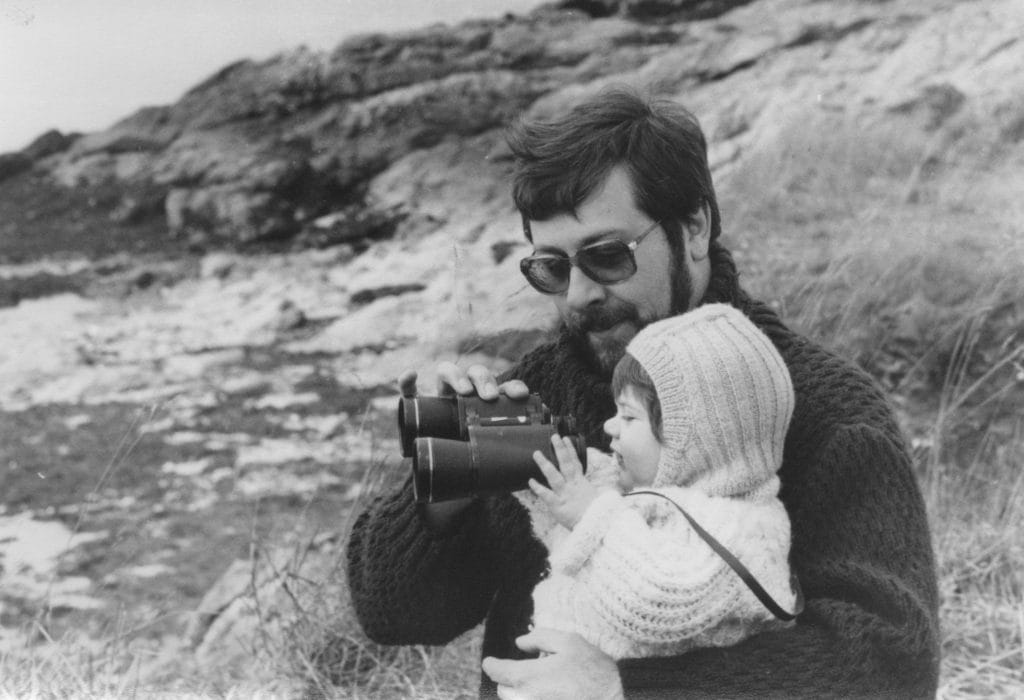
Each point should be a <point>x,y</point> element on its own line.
<point>917,277</point>
<point>328,654</point>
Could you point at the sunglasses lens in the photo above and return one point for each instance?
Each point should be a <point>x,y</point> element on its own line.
<point>608,262</point>
<point>548,274</point>
<point>605,263</point>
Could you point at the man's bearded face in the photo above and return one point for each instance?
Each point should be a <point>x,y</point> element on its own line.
<point>607,328</point>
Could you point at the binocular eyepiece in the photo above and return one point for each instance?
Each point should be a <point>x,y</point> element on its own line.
<point>461,446</point>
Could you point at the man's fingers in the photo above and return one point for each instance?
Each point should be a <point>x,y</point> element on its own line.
<point>505,672</point>
<point>476,379</point>
<point>484,382</point>
<point>514,389</point>
<point>542,640</point>
<point>452,379</point>
<point>569,668</point>
<point>506,693</point>
<point>407,383</point>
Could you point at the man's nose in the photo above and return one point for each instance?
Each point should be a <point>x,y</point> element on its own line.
<point>582,291</point>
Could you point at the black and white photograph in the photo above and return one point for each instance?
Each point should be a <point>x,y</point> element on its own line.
<point>454,349</point>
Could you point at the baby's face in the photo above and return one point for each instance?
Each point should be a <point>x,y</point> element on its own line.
<point>633,440</point>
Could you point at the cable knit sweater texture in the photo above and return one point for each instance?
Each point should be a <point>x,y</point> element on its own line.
<point>860,545</point>
<point>634,579</point>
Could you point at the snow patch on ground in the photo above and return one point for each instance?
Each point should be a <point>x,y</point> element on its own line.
<point>30,551</point>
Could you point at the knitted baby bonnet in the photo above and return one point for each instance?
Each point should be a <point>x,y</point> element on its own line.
<point>726,401</point>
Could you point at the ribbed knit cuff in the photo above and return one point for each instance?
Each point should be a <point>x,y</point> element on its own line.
<point>573,552</point>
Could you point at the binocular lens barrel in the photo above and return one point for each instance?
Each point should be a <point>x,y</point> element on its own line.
<point>493,460</point>
<point>449,417</point>
<point>430,415</point>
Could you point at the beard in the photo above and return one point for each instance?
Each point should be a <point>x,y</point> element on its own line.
<point>589,328</point>
<point>592,330</point>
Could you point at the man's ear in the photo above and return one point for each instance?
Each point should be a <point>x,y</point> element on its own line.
<point>698,233</point>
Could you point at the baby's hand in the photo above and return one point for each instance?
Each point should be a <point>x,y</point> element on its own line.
<point>569,492</point>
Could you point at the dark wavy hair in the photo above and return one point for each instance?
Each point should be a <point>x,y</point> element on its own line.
<point>559,163</point>
<point>630,373</point>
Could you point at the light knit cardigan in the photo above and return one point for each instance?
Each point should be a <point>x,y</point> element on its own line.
<point>634,579</point>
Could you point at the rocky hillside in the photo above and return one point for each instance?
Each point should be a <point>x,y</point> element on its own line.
<point>388,150</point>
<point>213,289</point>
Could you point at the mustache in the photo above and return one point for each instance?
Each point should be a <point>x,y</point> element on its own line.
<point>601,318</point>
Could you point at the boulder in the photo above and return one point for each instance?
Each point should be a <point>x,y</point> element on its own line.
<point>48,143</point>
<point>256,608</point>
<point>13,163</point>
<point>678,9</point>
<point>654,9</point>
<point>357,224</point>
<point>365,296</point>
<point>228,212</point>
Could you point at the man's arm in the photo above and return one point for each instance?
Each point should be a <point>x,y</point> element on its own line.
<point>413,584</point>
<point>424,573</point>
<point>863,555</point>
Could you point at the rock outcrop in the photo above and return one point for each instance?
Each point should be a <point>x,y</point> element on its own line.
<point>264,150</point>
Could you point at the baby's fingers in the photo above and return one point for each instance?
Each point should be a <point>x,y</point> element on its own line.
<point>568,461</point>
<point>540,491</point>
<point>550,472</point>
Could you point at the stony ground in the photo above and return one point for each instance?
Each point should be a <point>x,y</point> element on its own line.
<point>149,437</point>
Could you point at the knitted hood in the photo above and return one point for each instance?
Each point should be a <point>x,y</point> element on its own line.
<point>726,400</point>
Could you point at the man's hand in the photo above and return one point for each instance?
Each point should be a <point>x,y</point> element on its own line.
<point>476,379</point>
<point>568,493</point>
<point>569,669</point>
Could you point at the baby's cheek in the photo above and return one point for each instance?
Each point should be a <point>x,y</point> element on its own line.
<point>626,482</point>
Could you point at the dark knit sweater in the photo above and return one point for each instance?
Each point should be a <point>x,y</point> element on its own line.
<point>861,547</point>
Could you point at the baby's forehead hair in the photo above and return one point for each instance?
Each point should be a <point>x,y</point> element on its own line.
<point>630,373</point>
<point>631,394</point>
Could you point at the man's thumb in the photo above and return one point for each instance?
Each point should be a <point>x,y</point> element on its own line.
<point>542,641</point>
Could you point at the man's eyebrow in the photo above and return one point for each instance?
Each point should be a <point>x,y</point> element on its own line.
<point>603,235</point>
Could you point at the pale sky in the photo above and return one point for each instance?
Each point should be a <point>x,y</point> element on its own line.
<point>81,65</point>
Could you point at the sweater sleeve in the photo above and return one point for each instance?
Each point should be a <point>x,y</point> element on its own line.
<point>412,585</point>
<point>863,556</point>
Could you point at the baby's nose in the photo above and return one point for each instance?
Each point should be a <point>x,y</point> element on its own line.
<point>611,426</point>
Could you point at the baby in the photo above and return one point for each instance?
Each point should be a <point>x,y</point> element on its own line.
<point>703,403</point>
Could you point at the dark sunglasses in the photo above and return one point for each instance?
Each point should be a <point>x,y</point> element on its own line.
<point>605,262</point>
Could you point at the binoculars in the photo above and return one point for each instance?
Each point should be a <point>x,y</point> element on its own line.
<point>462,445</point>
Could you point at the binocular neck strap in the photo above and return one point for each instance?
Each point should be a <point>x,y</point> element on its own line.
<point>737,566</point>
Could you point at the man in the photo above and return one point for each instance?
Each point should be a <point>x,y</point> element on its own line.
<point>617,200</point>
